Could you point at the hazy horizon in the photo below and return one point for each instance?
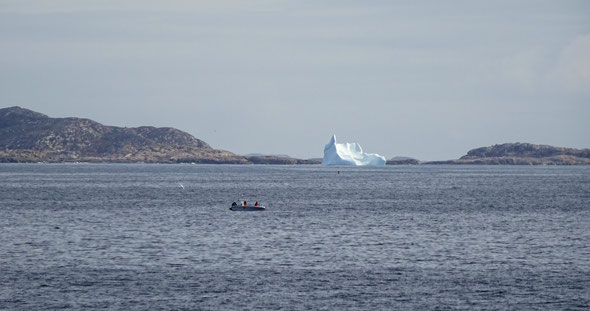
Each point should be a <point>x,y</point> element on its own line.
<point>429,81</point>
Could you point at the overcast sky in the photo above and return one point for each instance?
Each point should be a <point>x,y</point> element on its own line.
<point>427,79</point>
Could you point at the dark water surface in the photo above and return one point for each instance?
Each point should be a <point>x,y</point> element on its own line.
<point>93,236</point>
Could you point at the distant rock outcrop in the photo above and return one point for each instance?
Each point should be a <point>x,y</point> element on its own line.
<point>272,159</point>
<point>523,154</point>
<point>28,136</point>
<point>402,161</point>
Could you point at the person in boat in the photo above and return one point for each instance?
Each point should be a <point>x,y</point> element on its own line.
<point>234,204</point>
<point>256,204</point>
<point>245,203</point>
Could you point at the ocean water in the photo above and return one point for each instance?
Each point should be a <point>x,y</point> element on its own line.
<point>128,237</point>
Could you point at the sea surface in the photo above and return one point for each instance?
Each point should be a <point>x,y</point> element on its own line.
<point>161,237</point>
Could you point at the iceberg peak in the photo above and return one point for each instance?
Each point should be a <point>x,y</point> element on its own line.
<point>349,154</point>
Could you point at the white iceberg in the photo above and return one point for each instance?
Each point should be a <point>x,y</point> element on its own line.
<point>349,154</point>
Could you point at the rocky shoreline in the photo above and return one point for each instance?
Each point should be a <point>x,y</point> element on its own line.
<point>28,137</point>
<point>522,154</point>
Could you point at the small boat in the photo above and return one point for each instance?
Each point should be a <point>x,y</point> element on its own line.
<point>242,207</point>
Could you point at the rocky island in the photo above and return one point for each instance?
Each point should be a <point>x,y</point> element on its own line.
<point>283,160</point>
<point>399,160</point>
<point>522,154</point>
<point>28,136</point>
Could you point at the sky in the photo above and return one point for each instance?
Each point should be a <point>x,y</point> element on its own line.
<point>425,79</point>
